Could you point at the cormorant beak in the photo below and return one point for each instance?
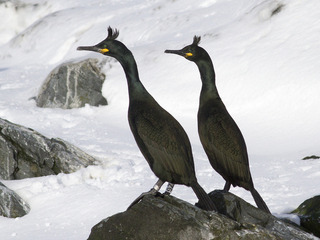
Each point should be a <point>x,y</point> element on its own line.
<point>179,52</point>
<point>93,49</point>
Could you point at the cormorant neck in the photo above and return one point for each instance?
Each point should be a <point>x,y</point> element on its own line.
<point>208,78</point>
<point>131,70</point>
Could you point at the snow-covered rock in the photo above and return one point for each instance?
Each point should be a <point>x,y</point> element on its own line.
<point>11,204</point>
<point>25,153</point>
<point>309,213</point>
<point>72,85</point>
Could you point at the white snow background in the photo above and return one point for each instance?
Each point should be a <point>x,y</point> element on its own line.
<point>267,72</point>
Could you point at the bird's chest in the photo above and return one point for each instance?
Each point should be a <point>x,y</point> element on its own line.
<point>211,121</point>
<point>208,111</point>
<point>144,117</point>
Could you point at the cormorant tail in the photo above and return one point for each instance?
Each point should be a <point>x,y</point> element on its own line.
<point>259,201</point>
<point>203,197</point>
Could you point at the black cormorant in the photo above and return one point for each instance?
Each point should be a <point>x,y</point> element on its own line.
<point>219,134</point>
<point>161,139</point>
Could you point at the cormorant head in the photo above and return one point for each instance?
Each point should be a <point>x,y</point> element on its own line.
<point>191,52</point>
<point>109,47</point>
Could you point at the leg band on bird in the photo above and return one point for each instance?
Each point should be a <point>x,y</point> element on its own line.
<point>169,189</point>
<point>158,185</point>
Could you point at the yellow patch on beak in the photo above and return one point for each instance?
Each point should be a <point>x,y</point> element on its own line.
<point>104,50</point>
<point>188,54</point>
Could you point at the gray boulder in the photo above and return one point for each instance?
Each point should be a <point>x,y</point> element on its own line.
<point>25,153</point>
<point>167,217</point>
<point>72,85</point>
<point>309,214</point>
<point>11,204</point>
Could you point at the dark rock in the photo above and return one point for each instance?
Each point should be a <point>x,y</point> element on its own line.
<point>170,218</point>
<point>277,10</point>
<point>309,213</point>
<point>239,210</point>
<point>7,161</point>
<point>25,153</point>
<point>11,204</point>
<point>311,157</point>
<point>72,85</point>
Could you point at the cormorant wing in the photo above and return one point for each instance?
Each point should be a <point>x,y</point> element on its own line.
<point>164,143</point>
<point>225,144</point>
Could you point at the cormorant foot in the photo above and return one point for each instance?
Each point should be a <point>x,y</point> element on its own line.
<point>151,192</point>
<point>159,194</point>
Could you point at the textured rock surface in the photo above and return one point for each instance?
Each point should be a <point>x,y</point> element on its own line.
<point>172,218</point>
<point>309,213</point>
<point>11,204</point>
<point>239,210</point>
<point>72,85</point>
<point>25,153</point>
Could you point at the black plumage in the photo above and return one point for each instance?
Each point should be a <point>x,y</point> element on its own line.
<point>220,136</point>
<point>160,138</point>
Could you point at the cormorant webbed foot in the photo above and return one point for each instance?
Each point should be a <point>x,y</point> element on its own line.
<point>153,191</point>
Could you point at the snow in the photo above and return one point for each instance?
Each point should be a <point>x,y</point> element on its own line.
<point>267,68</point>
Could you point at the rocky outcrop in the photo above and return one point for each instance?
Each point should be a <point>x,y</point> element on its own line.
<point>11,204</point>
<point>310,157</point>
<point>309,214</point>
<point>25,153</point>
<point>170,218</point>
<point>72,85</point>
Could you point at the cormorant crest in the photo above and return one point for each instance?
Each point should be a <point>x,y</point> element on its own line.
<point>196,40</point>
<point>112,34</point>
